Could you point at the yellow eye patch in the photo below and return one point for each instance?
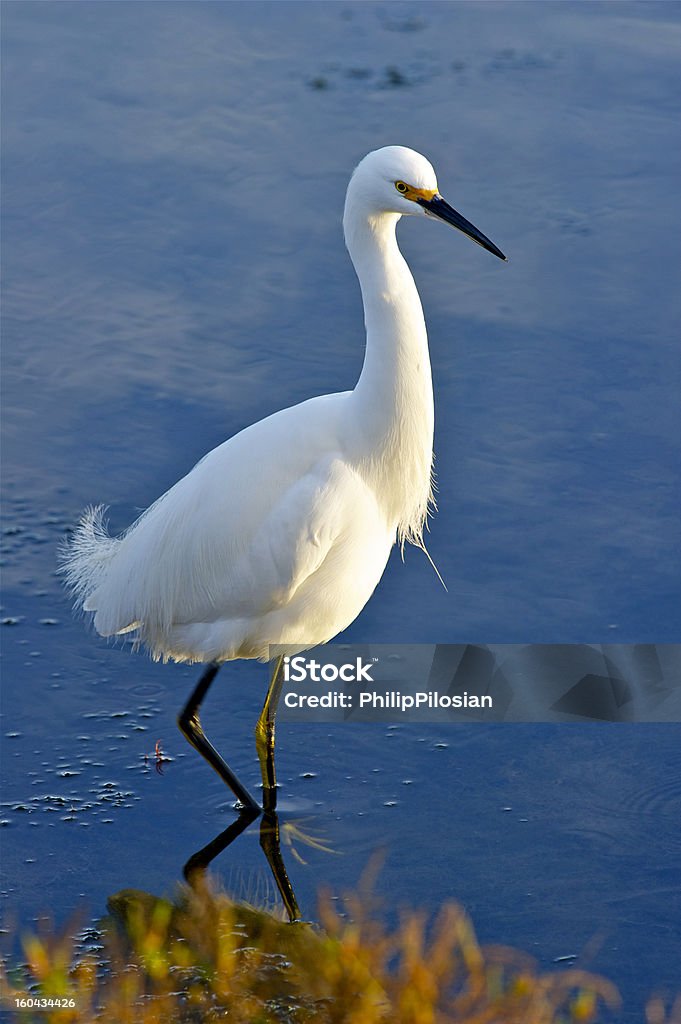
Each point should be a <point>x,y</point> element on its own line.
<point>409,192</point>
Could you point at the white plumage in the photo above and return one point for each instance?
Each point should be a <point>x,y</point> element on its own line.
<point>280,535</point>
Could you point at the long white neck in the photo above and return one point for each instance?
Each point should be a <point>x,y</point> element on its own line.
<point>392,403</point>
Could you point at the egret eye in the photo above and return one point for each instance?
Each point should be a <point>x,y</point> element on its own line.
<point>401,187</point>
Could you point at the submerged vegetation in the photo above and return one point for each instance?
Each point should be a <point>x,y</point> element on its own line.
<point>205,958</point>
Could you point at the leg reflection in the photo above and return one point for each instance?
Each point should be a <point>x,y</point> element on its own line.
<point>195,868</point>
<point>270,843</point>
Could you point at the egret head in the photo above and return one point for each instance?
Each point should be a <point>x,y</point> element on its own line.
<point>397,180</point>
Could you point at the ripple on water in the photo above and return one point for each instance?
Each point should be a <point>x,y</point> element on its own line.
<point>149,691</point>
<point>647,812</point>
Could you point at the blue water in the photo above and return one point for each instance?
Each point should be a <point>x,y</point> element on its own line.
<point>173,185</point>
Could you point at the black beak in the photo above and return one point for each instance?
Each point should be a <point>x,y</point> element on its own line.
<point>438,207</point>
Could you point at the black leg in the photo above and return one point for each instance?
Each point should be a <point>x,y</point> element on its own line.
<point>190,724</point>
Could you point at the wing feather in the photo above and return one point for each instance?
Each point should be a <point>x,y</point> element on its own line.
<point>232,539</point>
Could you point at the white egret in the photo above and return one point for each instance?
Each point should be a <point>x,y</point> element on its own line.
<point>281,534</point>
